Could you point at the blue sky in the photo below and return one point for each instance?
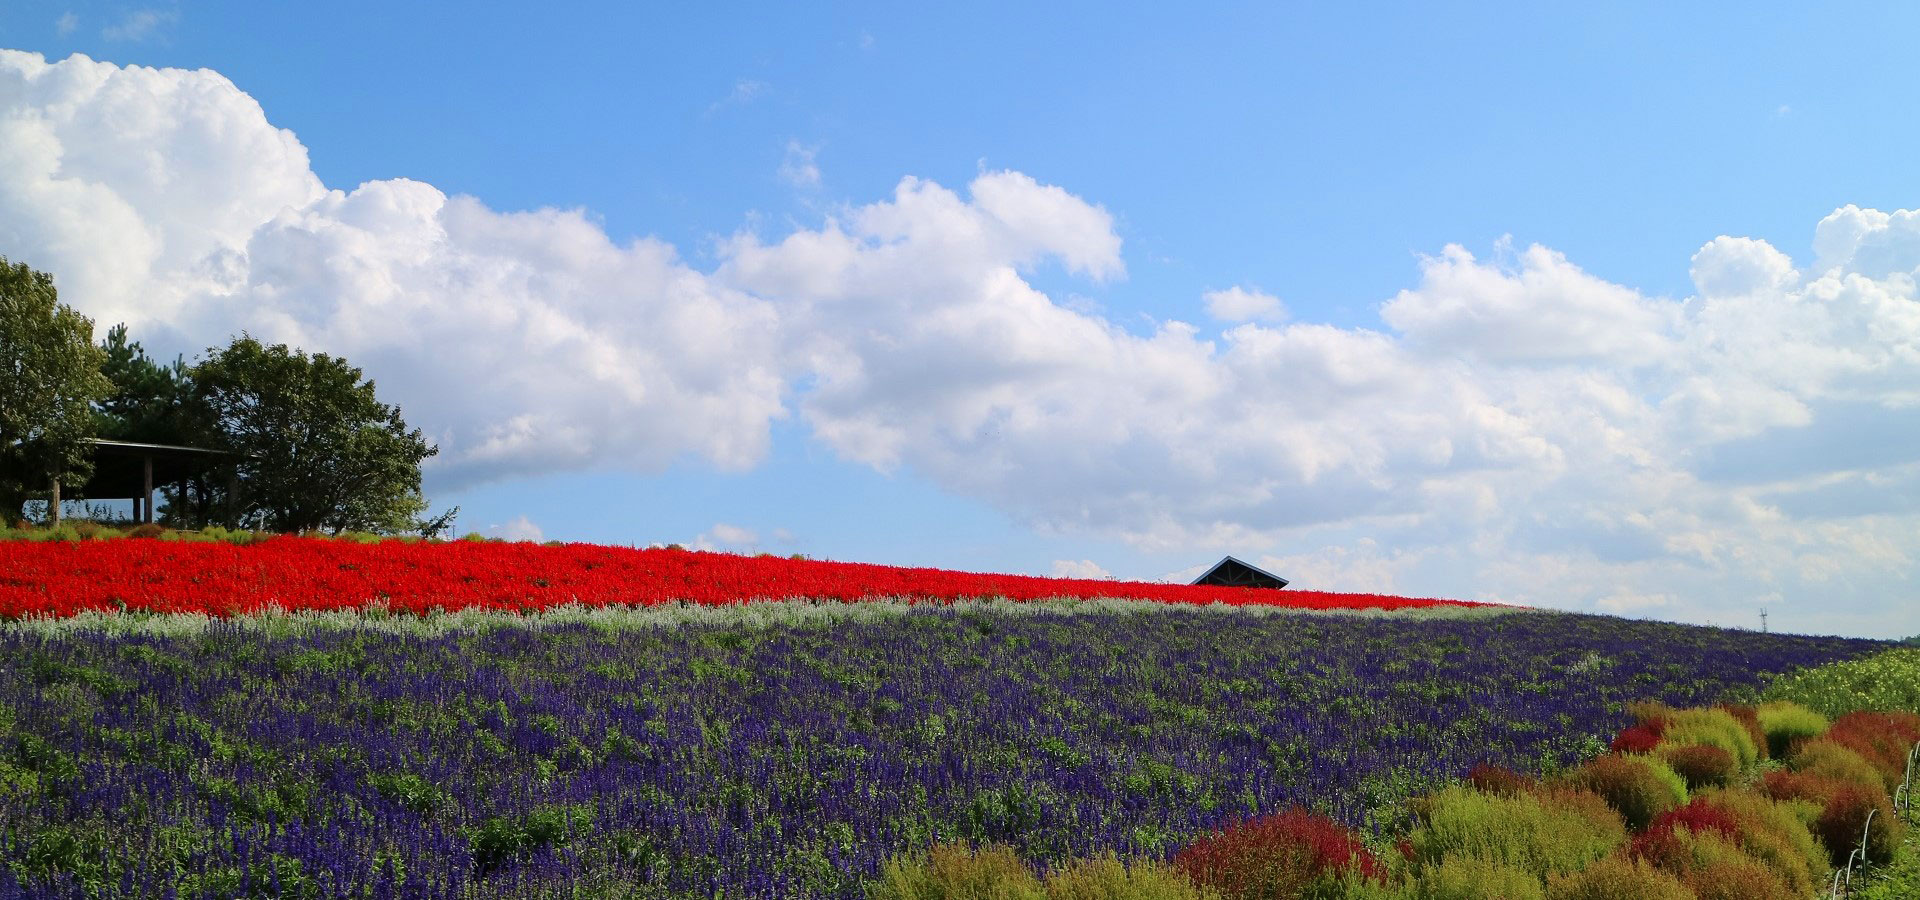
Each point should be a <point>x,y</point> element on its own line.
<point>1323,157</point>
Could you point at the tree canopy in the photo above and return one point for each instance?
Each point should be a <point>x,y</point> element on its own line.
<point>318,449</point>
<point>49,380</point>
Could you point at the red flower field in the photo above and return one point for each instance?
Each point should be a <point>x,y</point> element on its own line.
<point>60,578</point>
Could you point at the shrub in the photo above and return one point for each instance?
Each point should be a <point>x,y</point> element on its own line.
<point>1714,728</point>
<point>1845,816</point>
<point>1700,765</point>
<point>1640,787</point>
<point>1775,833</point>
<point>148,530</point>
<point>1518,831</point>
<point>1788,786</point>
<point>1472,878</point>
<point>1107,878</point>
<point>1882,739</point>
<point>1708,862</point>
<point>1500,780</point>
<point>957,872</point>
<point>1635,739</point>
<point>1825,757</point>
<point>1618,877</point>
<point>1572,800</point>
<point>1749,719</point>
<point>1785,722</point>
<point>1280,855</point>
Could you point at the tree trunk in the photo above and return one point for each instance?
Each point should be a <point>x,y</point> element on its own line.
<point>53,508</point>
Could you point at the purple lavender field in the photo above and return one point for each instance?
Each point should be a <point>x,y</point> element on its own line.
<point>783,755</point>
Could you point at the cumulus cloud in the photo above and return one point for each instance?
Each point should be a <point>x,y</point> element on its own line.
<point>519,528</point>
<point>723,537</point>
<point>1238,304</point>
<point>1516,428</point>
<point>1079,568</point>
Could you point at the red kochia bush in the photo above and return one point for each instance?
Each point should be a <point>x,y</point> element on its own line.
<point>1635,739</point>
<point>1275,856</point>
<point>1882,738</point>
<point>1500,780</point>
<point>1782,784</point>
<point>1845,815</point>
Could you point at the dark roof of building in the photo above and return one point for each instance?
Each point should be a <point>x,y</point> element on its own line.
<point>119,468</point>
<point>1230,572</point>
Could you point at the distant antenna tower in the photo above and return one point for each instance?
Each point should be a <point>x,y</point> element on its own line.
<point>1763,620</point>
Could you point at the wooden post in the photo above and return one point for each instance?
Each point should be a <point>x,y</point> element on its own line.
<point>146,473</point>
<point>53,509</point>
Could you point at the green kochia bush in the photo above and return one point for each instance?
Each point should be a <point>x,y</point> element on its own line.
<point>1618,877</point>
<point>1472,878</point>
<point>1519,831</point>
<point>1714,728</point>
<point>1785,722</point>
<point>1640,787</point>
<point>959,872</point>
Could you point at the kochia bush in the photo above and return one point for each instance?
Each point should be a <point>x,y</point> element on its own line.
<point>1702,766</point>
<point>1714,728</point>
<point>1640,787</point>
<point>1618,877</point>
<point>1785,722</point>
<point>1518,831</point>
<point>1283,855</point>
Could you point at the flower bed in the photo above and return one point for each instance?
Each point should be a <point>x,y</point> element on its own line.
<point>61,578</point>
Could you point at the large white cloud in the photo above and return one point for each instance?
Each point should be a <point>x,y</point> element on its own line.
<point>1516,428</point>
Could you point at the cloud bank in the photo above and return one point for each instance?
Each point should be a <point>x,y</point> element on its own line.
<point>1515,428</point>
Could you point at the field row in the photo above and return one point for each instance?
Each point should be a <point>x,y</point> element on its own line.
<point>62,578</point>
<point>786,759</point>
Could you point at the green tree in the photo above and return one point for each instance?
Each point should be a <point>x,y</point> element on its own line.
<point>318,449</point>
<point>153,403</point>
<point>150,403</point>
<point>49,380</point>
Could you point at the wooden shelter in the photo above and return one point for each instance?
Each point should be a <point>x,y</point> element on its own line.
<point>124,470</point>
<point>1230,572</point>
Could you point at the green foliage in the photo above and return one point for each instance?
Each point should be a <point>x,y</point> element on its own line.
<point>320,450</point>
<point>49,380</point>
<point>1618,877</point>
<point>1775,834</point>
<point>1714,728</point>
<point>1826,758</point>
<point>1472,878</point>
<point>1518,831</point>
<point>1888,682</point>
<point>503,838</point>
<point>957,872</point>
<point>1785,721</point>
<point>1640,787</point>
<point>1108,878</point>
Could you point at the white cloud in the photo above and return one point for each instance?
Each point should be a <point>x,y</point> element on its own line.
<point>1517,428</point>
<point>727,538</point>
<point>1079,568</point>
<point>66,24</point>
<point>519,528</point>
<point>1238,304</point>
<point>744,91</point>
<point>139,24</point>
<point>799,167</point>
